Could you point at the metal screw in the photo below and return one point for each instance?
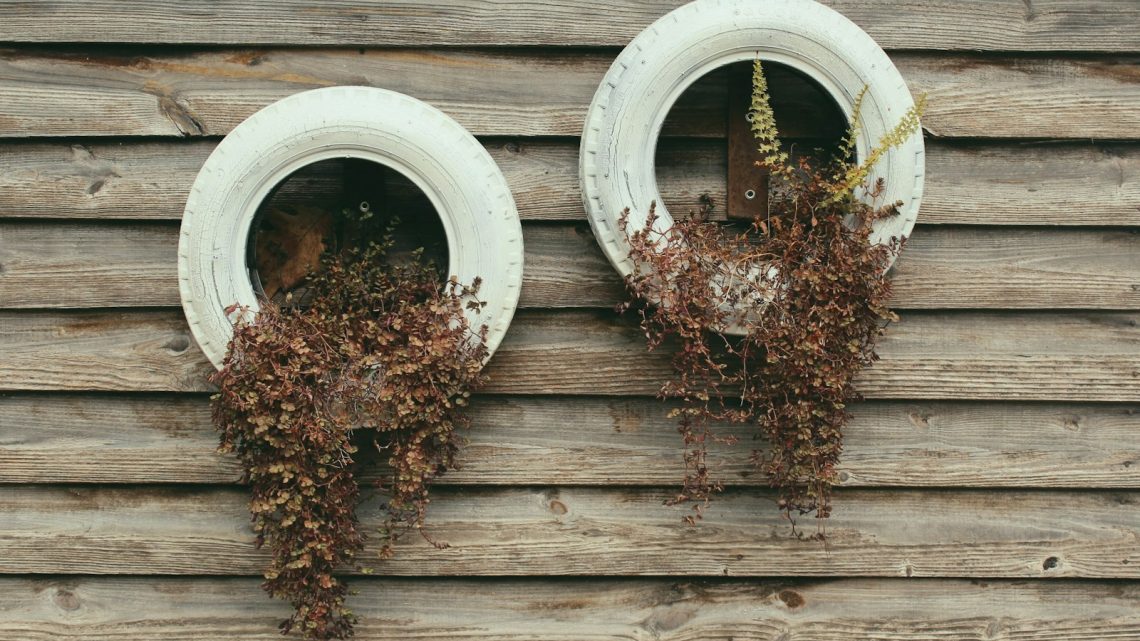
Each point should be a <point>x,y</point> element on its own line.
<point>749,116</point>
<point>364,206</point>
<point>750,194</point>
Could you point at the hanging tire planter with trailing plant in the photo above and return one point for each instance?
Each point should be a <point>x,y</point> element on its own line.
<point>769,326</point>
<point>625,118</point>
<point>470,194</point>
<point>383,355</point>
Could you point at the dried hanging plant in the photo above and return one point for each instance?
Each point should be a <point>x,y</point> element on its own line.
<point>806,287</point>
<point>382,356</point>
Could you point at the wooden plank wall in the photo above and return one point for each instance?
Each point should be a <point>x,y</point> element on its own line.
<point>991,481</point>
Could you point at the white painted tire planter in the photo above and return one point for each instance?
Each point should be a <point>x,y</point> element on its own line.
<point>481,222</point>
<point>624,121</point>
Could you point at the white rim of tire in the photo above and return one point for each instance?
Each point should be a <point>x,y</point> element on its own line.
<point>463,183</point>
<point>619,142</point>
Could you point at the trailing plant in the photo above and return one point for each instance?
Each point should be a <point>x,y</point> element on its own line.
<point>805,289</point>
<point>381,356</point>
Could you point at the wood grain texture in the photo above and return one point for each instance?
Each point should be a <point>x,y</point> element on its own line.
<point>208,93</point>
<point>102,350</point>
<point>975,184</point>
<point>1033,184</point>
<point>540,93</point>
<point>984,356</point>
<point>960,102</point>
<point>103,266</point>
<point>984,268</point>
<point>228,609</point>
<point>631,441</point>
<point>1004,25</point>
<point>590,531</point>
<point>77,265</point>
<point>1002,446</point>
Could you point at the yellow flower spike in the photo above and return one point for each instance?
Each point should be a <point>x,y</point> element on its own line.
<point>858,174</point>
<point>847,145</point>
<point>764,124</point>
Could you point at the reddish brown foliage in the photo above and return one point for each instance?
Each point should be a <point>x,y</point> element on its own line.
<point>383,355</point>
<point>809,293</point>
<point>806,290</point>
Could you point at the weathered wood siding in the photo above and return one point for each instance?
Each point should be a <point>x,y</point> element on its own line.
<point>991,481</point>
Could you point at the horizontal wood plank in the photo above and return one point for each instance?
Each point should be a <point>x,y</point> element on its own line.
<point>145,351</point>
<point>1018,269</point>
<point>235,609</point>
<point>538,93</point>
<point>584,531</point>
<point>960,103</point>
<point>928,355</point>
<point>984,356</point>
<point>77,265</point>
<point>1005,25</point>
<point>1035,184</point>
<point>546,440</point>
<point>975,184</point>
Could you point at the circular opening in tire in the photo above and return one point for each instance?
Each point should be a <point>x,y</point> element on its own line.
<point>691,155</point>
<point>437,155</point>
<point>625,119</point>
<point>332,206</point>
